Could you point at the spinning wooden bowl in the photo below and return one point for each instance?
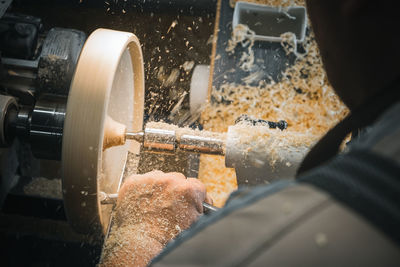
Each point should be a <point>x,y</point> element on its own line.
<point>107,89</point>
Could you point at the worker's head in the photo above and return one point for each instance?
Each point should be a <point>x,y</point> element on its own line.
<point>359,42</point>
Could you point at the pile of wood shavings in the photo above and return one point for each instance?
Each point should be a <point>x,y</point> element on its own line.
<point>289,43</point>
<point>303,97</point>
<point>239,37</point>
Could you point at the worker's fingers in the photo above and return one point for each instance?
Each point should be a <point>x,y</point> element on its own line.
<point>197,185</point>
<point>142,181</point>
<point>209,199</point>
<point>206,197</point>
<point>198,191</point>
<point>192,189</point>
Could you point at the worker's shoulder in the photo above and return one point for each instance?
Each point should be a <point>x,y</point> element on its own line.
<point>228,236</point>
<point>334,215</point>
<point>296,225</point>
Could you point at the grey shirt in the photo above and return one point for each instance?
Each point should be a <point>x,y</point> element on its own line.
<point>344,213</point>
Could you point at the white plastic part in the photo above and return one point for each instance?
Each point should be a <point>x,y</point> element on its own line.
<point>199,88</point>
<point>257,159</point>
<point>269,22</point>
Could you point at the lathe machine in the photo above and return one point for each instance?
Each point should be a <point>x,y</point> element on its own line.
<point>58,96</point>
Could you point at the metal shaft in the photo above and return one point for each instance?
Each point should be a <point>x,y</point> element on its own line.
<point>162,140</point>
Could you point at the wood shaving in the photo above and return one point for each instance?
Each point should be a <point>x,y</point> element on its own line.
<point>188,65</point>
<point>173,76</point>
<point>173,24</point>
<point>242,35</point>
<point>289,43</point>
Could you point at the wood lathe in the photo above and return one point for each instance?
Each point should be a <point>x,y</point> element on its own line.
<point>87,130</point>
<point>71,124</point>
<point>83,126</point>
<point>90,100</point>
<point>49,179</point>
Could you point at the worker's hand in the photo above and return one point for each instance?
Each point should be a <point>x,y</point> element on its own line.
<point>162,203</point>
<point>151,210</point>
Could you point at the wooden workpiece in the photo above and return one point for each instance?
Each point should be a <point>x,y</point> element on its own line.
<point>114,133</point>
<point>107,89</point>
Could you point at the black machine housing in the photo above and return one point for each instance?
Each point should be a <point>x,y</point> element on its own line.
<point>36,68</point>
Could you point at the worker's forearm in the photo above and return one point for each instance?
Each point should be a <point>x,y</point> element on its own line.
<point>130,246</point>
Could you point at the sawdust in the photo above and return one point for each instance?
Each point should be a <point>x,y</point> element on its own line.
<point>239,34</point>
<point>172,78</point>
<point>48,188</point>
<point>132,164</point>
<point>167,79</point>
<point>289,43</point>
<point>245,37</point>
<point>219,181</point>
<point>188,65</point>
<point>129,245</point>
